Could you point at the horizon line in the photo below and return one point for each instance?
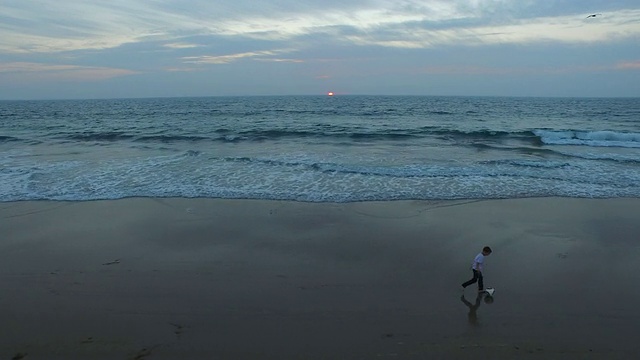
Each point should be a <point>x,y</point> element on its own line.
<point>335,95</point>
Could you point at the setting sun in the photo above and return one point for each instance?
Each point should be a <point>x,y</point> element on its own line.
<point>330,93</point>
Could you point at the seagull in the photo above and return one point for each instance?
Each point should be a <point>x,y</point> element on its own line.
<point>592,15</point>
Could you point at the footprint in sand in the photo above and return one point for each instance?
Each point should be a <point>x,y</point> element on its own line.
<point>142,354</point>
<point>178,329</point>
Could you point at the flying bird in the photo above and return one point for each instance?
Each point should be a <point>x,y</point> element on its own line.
<point>593,15</point>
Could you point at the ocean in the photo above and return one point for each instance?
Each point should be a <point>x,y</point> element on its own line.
<point>320,148</point>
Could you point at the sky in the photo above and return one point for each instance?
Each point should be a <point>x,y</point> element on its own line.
<point>78,49</point>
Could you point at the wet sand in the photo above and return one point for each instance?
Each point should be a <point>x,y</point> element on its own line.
<point>246,279</point>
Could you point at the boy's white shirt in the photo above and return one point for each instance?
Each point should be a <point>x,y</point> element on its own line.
<point>478,262</point>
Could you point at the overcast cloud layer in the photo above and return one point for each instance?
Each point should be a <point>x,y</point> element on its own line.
<point>143,48</point>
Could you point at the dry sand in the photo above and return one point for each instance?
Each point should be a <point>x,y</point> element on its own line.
<point>245,279</point>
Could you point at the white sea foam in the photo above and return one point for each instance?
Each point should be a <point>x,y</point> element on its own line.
<point>308,178</point>
<point>590,138</point>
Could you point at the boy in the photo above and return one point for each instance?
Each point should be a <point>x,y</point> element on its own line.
<point>477,267</point>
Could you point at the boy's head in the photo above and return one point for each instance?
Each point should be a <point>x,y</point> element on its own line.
<point>486,251</point>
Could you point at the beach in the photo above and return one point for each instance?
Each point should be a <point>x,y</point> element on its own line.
<point>177,278</point>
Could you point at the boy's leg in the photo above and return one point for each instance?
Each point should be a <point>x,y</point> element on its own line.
<point>474,279</point>
<point>480,282</point>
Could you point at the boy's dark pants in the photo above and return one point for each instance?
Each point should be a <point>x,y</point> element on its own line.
<point>477,276</point>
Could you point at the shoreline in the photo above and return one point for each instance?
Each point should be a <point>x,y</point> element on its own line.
<point>204,198</point>
<point>168,278</point>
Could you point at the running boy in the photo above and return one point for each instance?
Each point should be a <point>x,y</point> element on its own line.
<point>477,267</point>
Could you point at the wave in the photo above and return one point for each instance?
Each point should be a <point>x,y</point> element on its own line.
<point>540,137</point>
<point>386,134</point>
<point>441,112</point>
<point>534,139</point>
<point>527,150</point>
<point>266,135</point>
<point>510,167</point>
<point>619,158</point>
<point>98,136</point>
<point>307,177</point>
<point>540,152</point>
<point>546,164</point>
<point>8,139</point>
<point>121,136</point>
<point>483,135</point>
<point>589,138</point>
<point>171,138</point>
<point>319,131</point>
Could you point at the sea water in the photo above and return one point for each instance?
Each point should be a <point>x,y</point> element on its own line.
<point>320,148</point>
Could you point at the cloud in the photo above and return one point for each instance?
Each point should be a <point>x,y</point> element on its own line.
<point>68,25</point>
<point>182,69</point>
<point>32,71</point>
<point>630,65</point>
<point>178,43</point>
<point>226,59</point>
<point>566,29</point>
<point>488,70</point>
<point>281,60</point>
<point>28,26</point>
<point>181,46</point>
<point>34,67</point>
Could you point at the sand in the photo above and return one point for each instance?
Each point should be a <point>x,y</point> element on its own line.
<point>245,279</point>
